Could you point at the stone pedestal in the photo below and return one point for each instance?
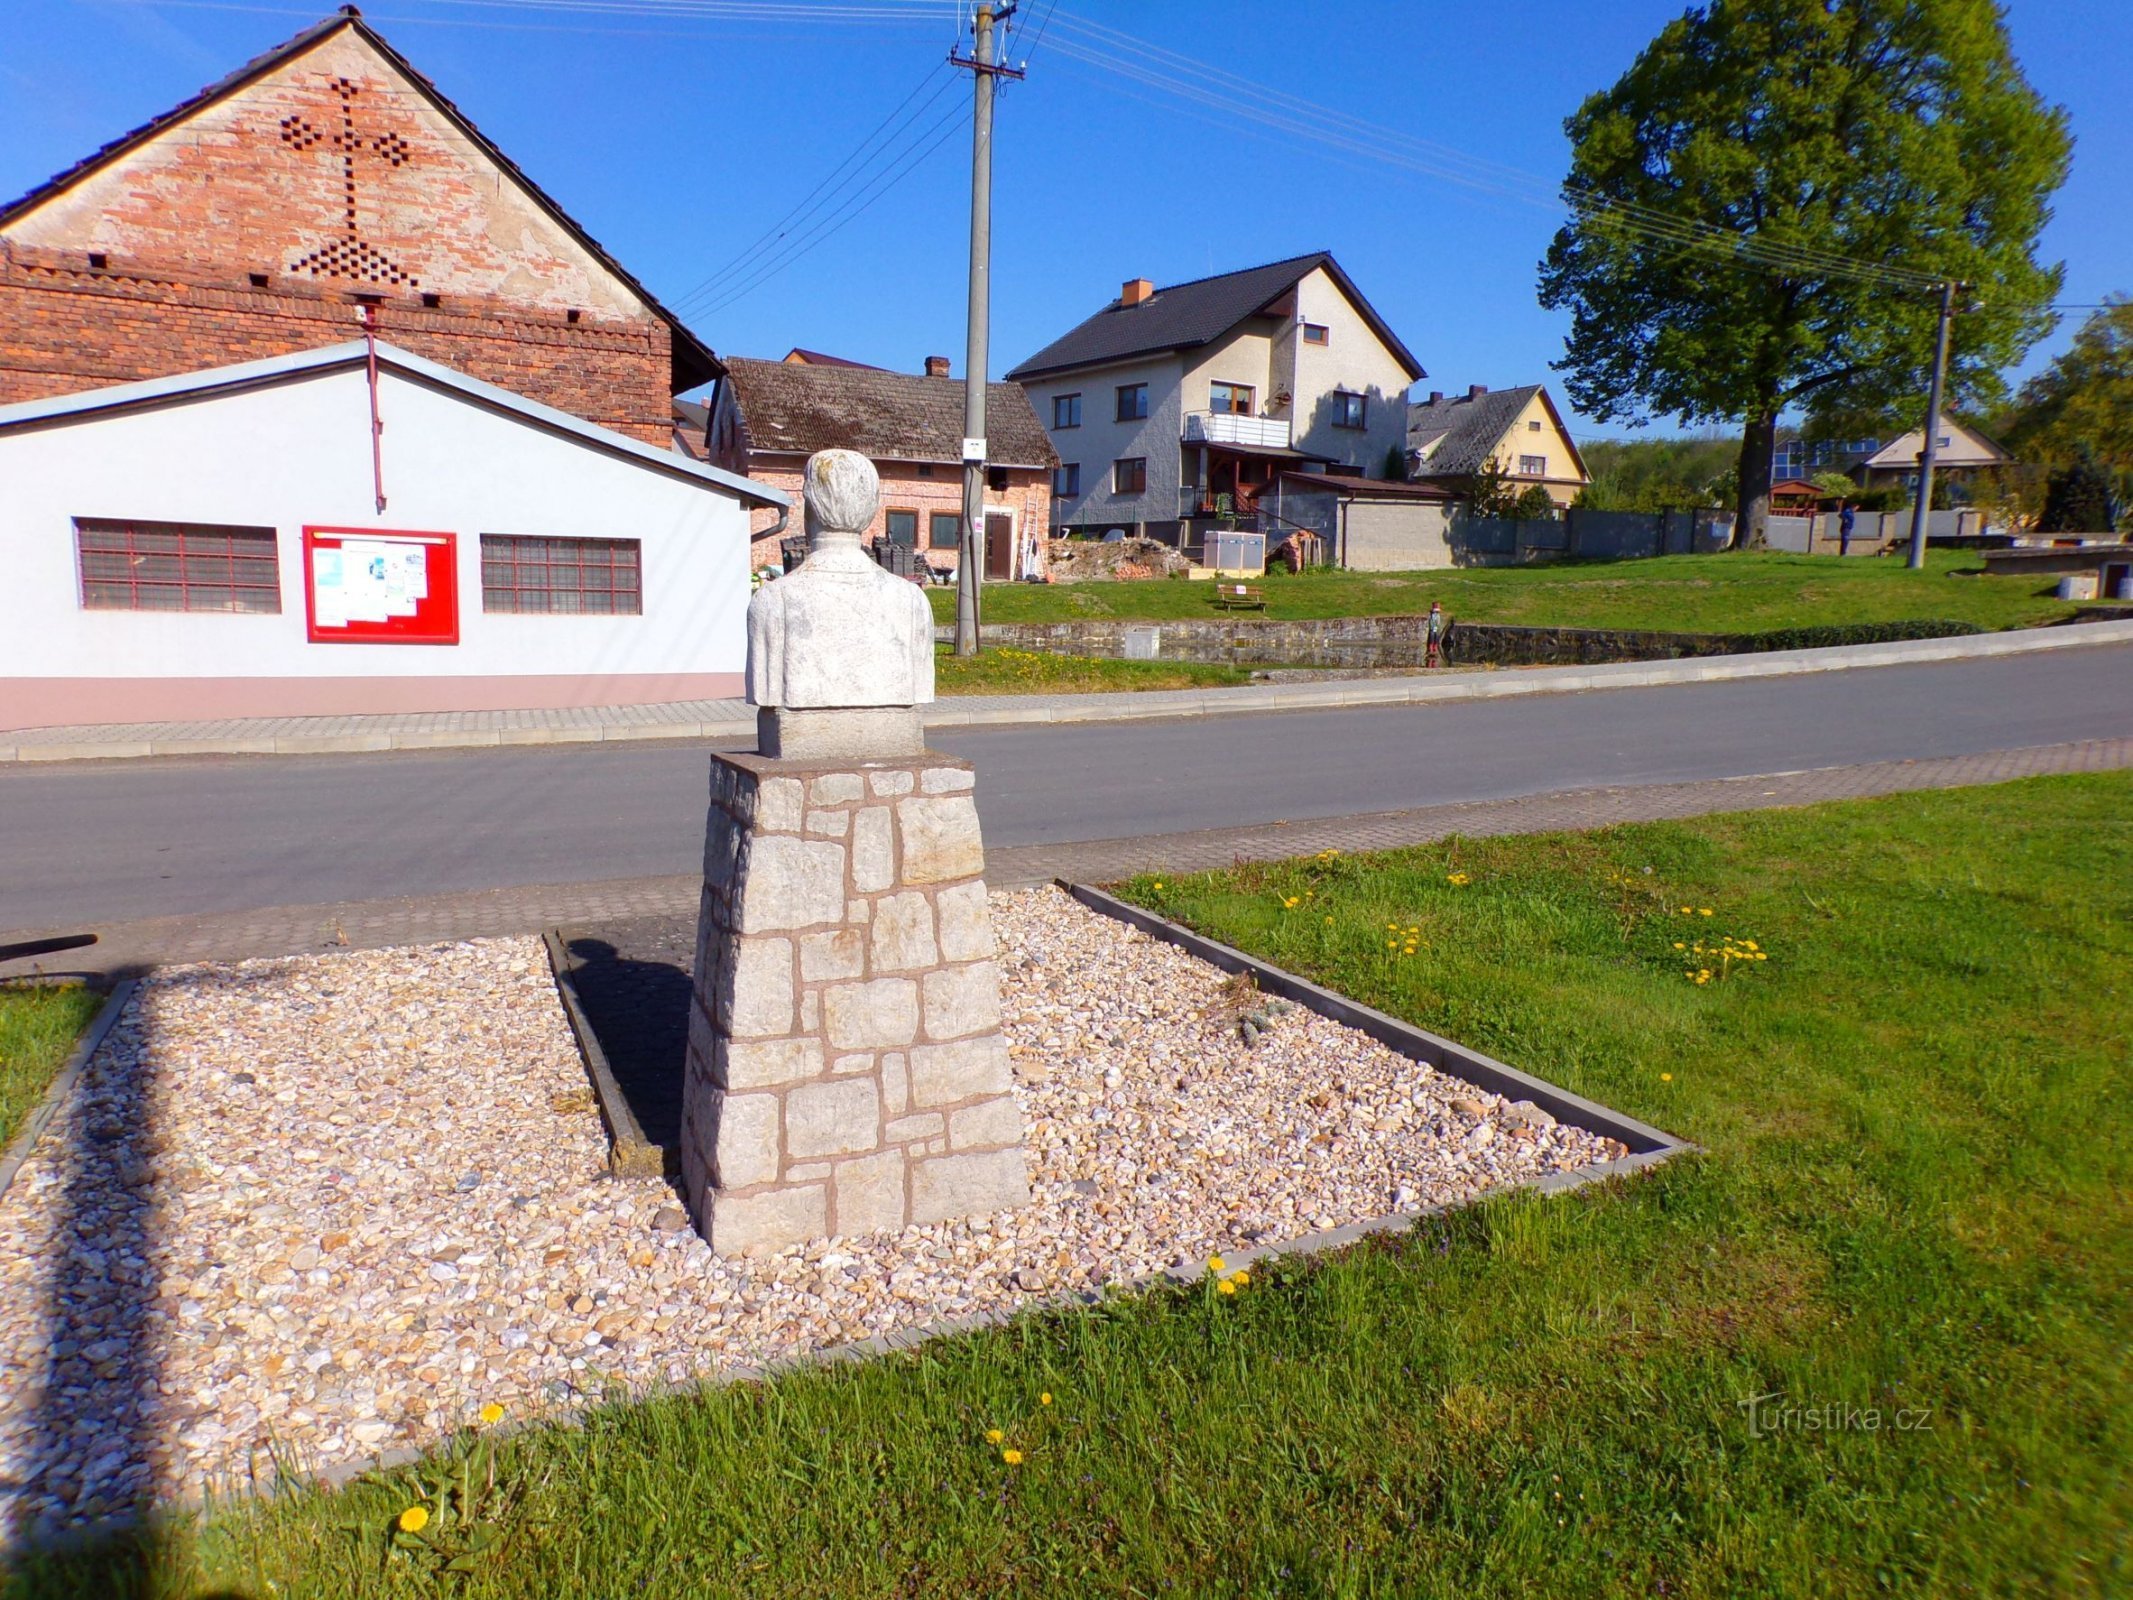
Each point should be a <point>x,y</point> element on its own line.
<point>846,1070</point>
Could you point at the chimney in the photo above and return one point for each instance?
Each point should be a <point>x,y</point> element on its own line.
<point>1134,290</point>
<point>1436,397</point>
<point>1474,391</point>
<point>936,366</point>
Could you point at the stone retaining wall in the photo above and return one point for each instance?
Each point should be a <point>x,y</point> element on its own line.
<point>1361,643</point>
<point>846,1070</point>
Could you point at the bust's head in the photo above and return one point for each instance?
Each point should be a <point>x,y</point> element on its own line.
<point>842,491</point>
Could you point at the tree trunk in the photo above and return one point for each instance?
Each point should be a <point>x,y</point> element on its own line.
<point>1752,513</point>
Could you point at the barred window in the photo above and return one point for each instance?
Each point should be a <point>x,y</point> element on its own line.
<point>592,577</point>
<point>176,566</point>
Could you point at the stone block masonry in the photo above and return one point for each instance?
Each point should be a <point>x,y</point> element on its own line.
<point>846,1070</point>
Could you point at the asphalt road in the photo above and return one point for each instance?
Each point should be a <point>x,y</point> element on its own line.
<point>114,841</point>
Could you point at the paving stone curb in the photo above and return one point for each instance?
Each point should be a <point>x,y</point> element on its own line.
<point>29,747</point>
<point>33,1126</point>
<point>629,1153</point>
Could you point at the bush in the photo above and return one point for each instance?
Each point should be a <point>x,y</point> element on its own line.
<point>1822,638</point>
<point>2077,499</point>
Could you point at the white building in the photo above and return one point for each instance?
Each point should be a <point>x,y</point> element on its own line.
<point>1178,404</point>
<point>242,542</point>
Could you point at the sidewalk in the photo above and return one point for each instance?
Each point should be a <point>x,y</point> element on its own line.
<point>728,720</point>
<point>370,924</point>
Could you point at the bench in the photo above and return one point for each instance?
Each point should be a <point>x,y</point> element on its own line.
<point>1239,597</point>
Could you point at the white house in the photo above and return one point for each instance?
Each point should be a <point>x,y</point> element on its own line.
<point>1188,401</point>
<point>322,533</point>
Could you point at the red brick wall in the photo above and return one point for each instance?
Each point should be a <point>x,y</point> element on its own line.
<point>65,328</point>
<point>261,183</point>
<point>904,488</point>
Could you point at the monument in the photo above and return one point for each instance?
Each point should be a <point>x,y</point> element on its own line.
<point>846,1071</point>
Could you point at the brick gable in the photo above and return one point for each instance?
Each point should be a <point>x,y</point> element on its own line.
<point>250,223</point>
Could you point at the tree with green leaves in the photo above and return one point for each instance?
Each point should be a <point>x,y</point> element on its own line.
<point>2077,499</point>
<point>2078,412</point>
<point>1762,204</point>
<point>1490,492</point>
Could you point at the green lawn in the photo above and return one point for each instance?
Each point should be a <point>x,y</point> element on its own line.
<point>1750,592</point>
<point>1915,1205</point>
<point>38,1026</point>
<point>1001,670</point>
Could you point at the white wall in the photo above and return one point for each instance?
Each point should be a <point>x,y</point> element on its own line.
<point>1353,359</point>
<point>298,453</point>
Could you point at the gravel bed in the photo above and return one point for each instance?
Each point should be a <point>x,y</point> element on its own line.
<point>308,1210</point>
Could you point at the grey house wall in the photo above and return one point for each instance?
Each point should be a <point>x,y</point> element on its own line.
<point>1102,440</point>
<point>1390,535</point>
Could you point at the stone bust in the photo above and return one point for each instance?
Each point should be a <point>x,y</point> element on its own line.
<point>841,633</point>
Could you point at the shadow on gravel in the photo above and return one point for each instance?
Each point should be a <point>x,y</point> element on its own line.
<point>633,982</point>
<point>91,1421</point>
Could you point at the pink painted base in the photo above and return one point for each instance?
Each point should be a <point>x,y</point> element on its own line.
<point>59,702</point>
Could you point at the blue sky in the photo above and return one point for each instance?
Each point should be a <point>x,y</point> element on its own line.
<point>679,132</point>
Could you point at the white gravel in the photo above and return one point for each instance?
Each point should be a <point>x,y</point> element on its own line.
<point>304,1211</point>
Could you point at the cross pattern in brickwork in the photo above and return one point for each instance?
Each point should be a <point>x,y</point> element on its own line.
<point>349,256</point>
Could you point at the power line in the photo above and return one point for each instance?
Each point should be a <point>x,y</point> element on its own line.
<point>1239,97</point>
<point>834,181</point>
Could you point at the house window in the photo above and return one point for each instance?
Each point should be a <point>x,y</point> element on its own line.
<point>1533,426</point>
<point>176,566</point>
<point>1230,399</point>
<point>1132,402</point>
<point>1348,409</point>
<point>996,479</point>
<point>1316,333</point>
<point>1129,476</point>
<point>1533,466</point>
<point>903,528</point>
<point>1066,478</point>
<point>561,577</point>
<point>946,531</point>
<point>1066,410</point>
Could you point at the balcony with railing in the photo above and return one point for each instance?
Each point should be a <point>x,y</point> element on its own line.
<point>1229,427</point>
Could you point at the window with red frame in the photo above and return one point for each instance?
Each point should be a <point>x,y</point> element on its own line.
<point>571,577</point>
<point>176,566</point>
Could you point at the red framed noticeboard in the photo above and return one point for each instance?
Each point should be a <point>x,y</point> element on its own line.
<point>374,586</point>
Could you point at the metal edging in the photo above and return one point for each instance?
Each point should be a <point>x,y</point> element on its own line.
<point>629,1153</point>
<point>63,1084</point>
<point>1417,1044</point>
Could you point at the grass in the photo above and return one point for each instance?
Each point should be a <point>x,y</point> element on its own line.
<point>1001,670</point>
<point>38,1027</point>
<point>1748,592</point>
<point>1914,1205</point>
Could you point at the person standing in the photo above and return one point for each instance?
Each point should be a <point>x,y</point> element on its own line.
<point>1845,517</point>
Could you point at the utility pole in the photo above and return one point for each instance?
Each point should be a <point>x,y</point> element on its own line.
<point>969,570</point>
<point>1921,511</point>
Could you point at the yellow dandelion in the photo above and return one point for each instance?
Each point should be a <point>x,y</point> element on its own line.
<point>1045,1399</point>
<point>1290,900</point>
<point>1666,1077</point>
<point>994,1435</point>
<point>414,1519</point>
<point>1329,922</point>
<point>1705,912</point>
<point>1678,945</point>
<point>1214,1263</point>
<point>1240,1277</point>
<point>1687,911</point>
<point>492,1413</point>
<point>1012,1457</point>
<point>1391,944</point>
<point>1226,1286</point>
<point>1159,886</point>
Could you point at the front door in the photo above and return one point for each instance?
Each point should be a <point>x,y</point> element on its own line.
<point>999,545</point>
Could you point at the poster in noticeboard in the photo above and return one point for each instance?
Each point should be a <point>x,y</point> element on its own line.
<point>379,586</point>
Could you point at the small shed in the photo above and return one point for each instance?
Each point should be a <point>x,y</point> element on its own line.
<point>351,530</point>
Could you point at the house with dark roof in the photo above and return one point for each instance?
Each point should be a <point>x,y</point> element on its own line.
<point>1173,406</point>
<point>1960,454</point>
<point>325,184</point>
<point>767,417</point>
<point>1452,439</point>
